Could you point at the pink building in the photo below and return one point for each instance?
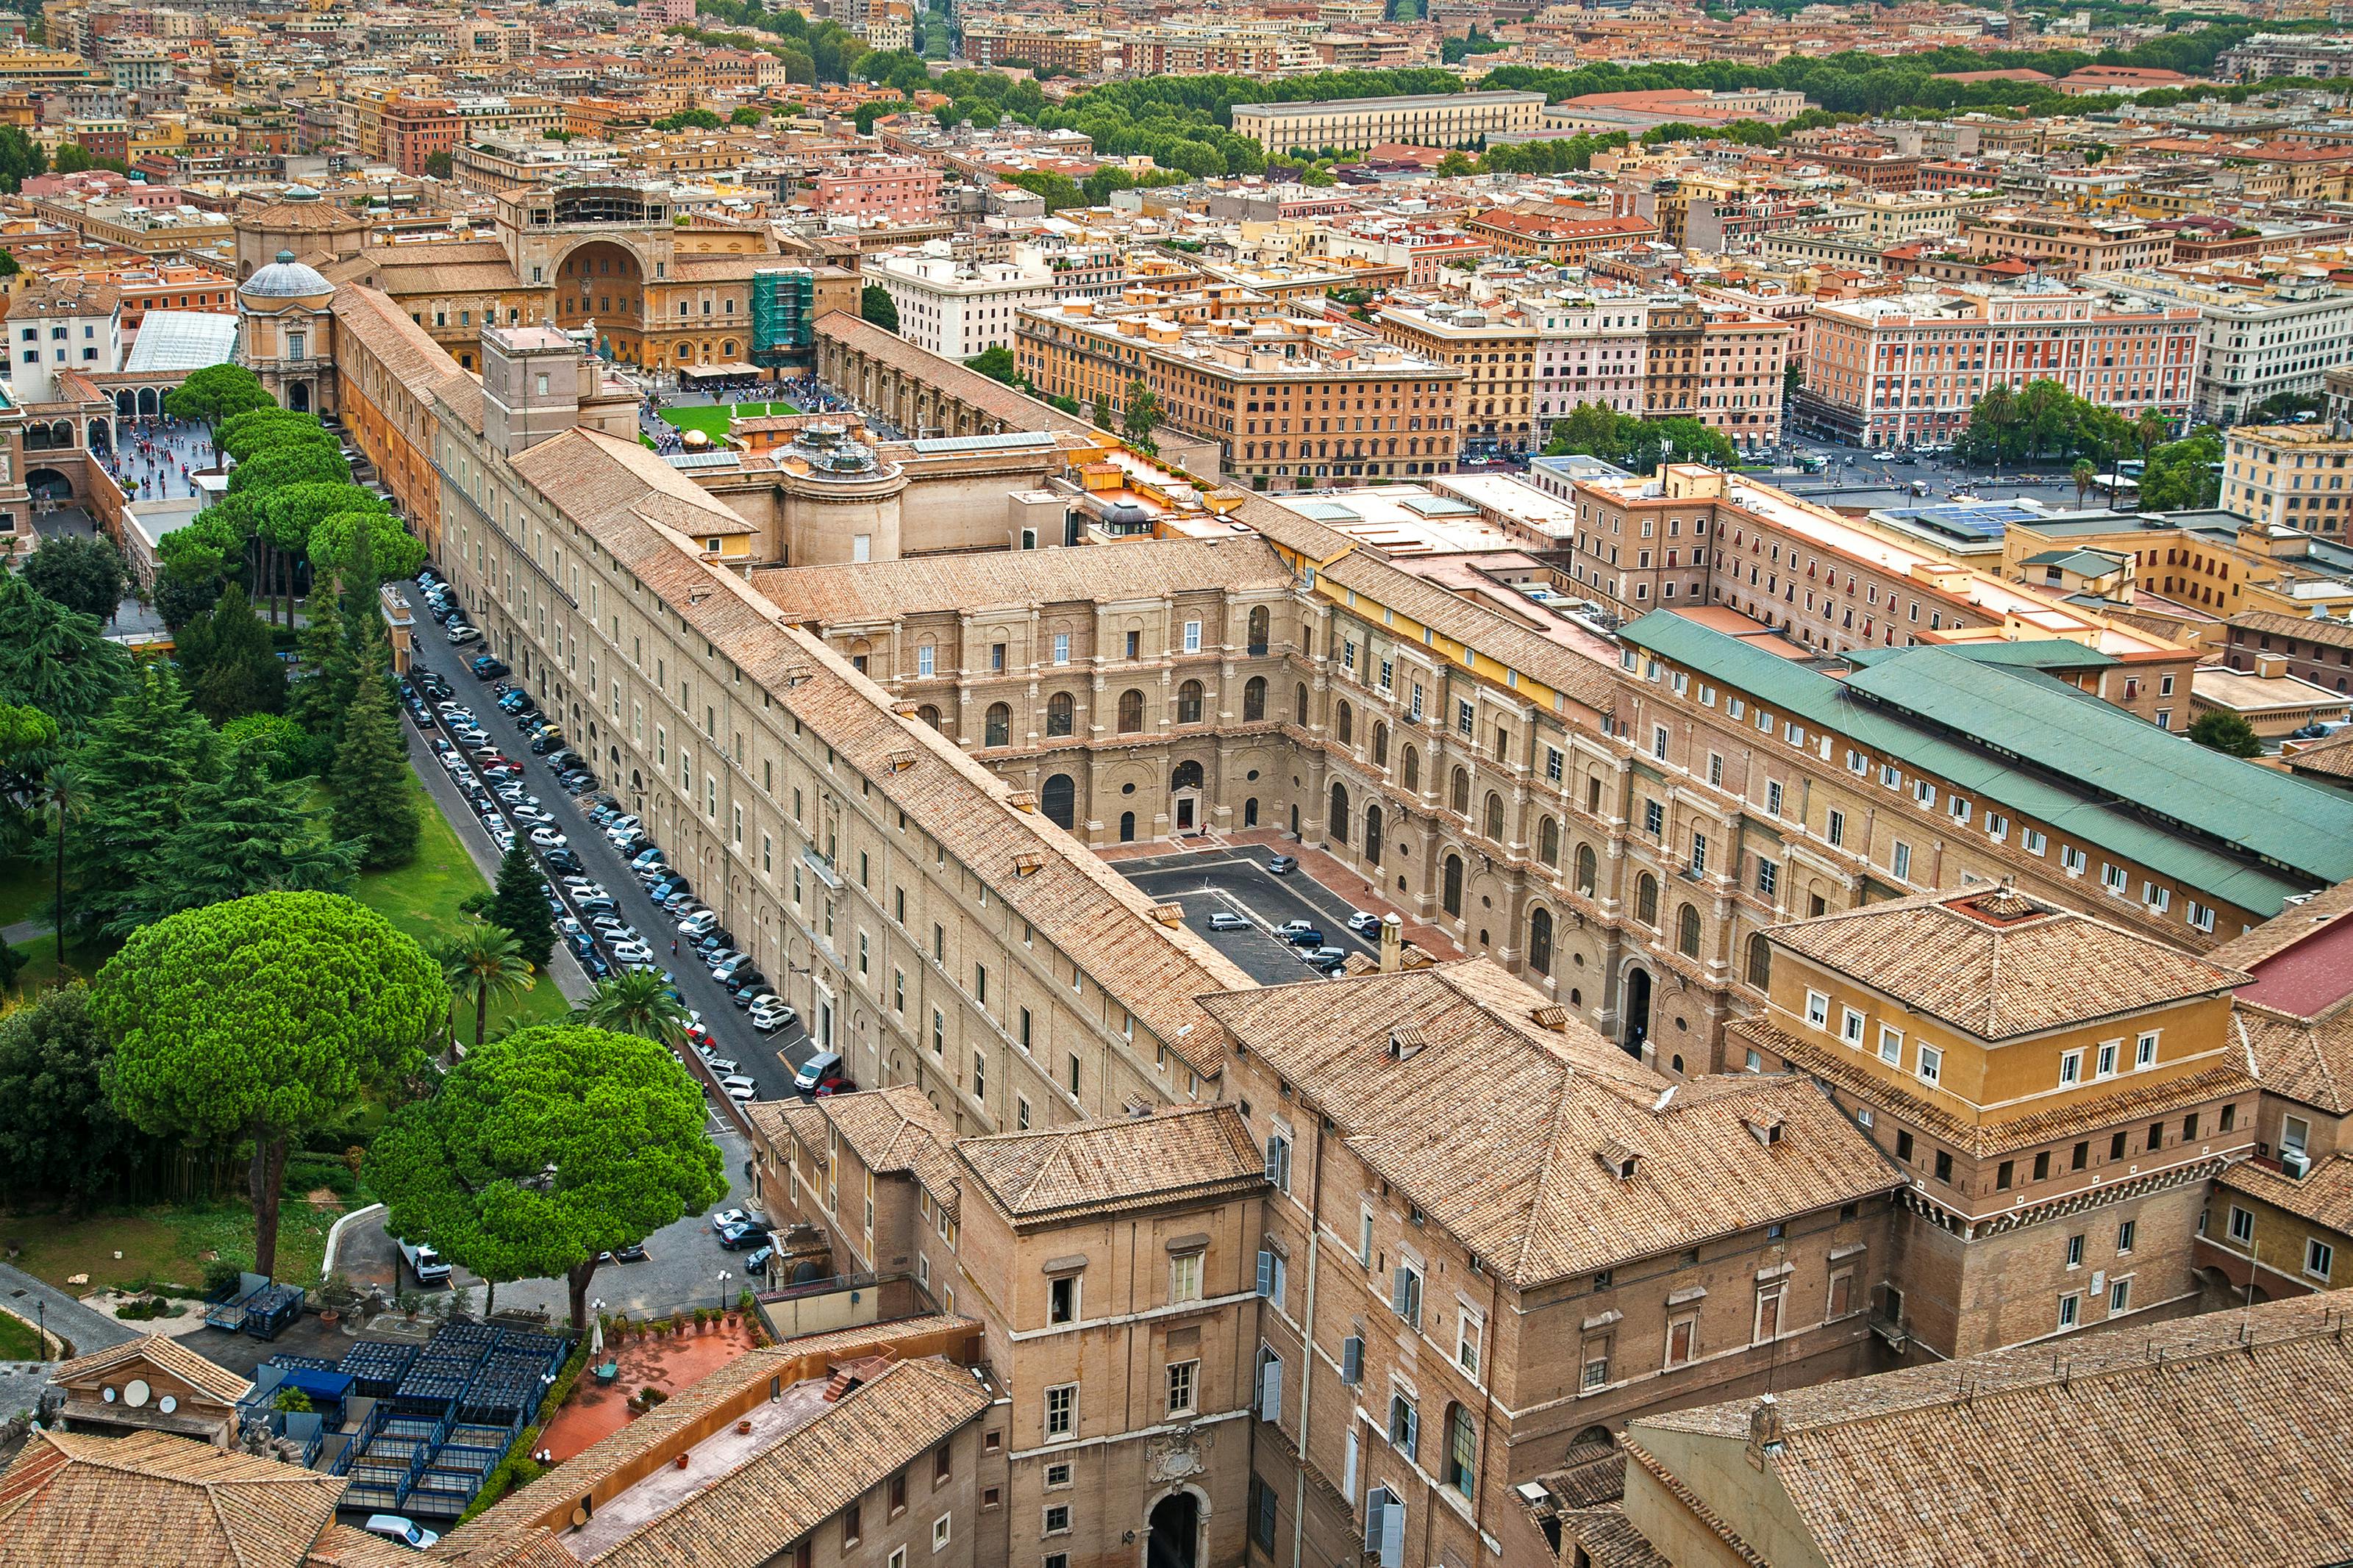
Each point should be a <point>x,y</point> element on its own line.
<point>896,191</point>
<point>667,13</point>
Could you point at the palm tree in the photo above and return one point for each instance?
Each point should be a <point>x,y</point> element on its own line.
<point>2086,475</point>
<point>484,960</point>
<point>2151,429</point>
<point>637,1002</point>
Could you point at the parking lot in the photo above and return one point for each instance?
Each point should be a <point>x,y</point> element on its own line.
<point>769,1061</point>
<point>1236,882</point>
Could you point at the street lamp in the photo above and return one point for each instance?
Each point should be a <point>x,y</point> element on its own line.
<point>723,1277</point>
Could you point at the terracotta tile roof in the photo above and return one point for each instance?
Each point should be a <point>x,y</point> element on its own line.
<point>406,350</point>
<point>2000,964</point>
<point>1609,1539</point>
<point>1509,1134</point>
<point>2249,949</point>
<point>1104,1167</point>
<point>2212,1439</point>
<point>2308,1061</point>
<point>1101,921</point>
<point>2117,1105</point>
<point>2331,758</point>
<point>897,1129</point>
<point>161,1351</point>
<point>510,1524</point>
<point>885,590</point>
<point>2324,1196</point>
<point>750,1516</point>
<point>2305,628</point>
<point>150,1497</point>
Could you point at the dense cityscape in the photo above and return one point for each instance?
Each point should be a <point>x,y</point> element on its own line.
<point>1317,783</point>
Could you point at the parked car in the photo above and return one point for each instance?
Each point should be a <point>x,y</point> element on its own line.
<point>751,1232</point>
<point>756,1263</point>
<point>1292,931</point>
<point>1226,919</point>
<point>1330,960</point>
<point>488,668</point>
<point>1365,925</point>
<point>1283,865</point>
<point>726,1217</point>
<point>400,1528</point>
<point>695,924</point>
<point>463,634</point>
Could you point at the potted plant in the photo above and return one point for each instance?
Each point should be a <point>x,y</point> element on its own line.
<point>336,1297</point>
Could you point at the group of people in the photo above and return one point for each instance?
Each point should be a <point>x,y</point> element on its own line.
<point>151,456</point>
<point>803,392</point>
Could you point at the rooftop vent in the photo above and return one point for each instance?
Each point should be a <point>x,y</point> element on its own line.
<point>1767,1132</point>
<point>1406,1042</point>
<point>1554,1018</point>
<point>1618,1159</point>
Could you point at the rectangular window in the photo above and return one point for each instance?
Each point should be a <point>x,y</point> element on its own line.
<point>1192,637</point>
<point>2071,1309</point>
<point>2071,1068</point>
<point>2119,1296</point>
<point>1182,1377</point>
<point>1062,648</point>
<point>1683,1339</point>
<point>1817,1010</point>
<point>1768,876</point>
<point>2145,1052</point>
<point>925,656</point>
<point>1062,1300</point>
<point>2319,1258</point>
<point>1835,829</point>
<point>2125,1234</point>
<point>1890,1044</point>
<point>1185,1276</point>
<point>1062,1410</point>
<point>2105,1061</point>
<point>1470,1338</point>
<point>1850,1026</point>
<point>1058,1522</point>
<point>1900,863</point>
<point>2242,1225</point>
<point>1932,1063</point>
<point>2033,841</point>
<point>1404,1294</point>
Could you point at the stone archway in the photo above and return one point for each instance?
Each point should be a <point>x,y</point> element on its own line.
<point>1175,1521</point>
<point>49,484</point>
<point>604,281</point>
<point>1634,1009</point>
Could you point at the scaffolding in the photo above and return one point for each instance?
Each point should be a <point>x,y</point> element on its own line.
<point>783,310</point>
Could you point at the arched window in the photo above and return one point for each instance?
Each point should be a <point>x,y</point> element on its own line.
<point>1453,885</point>
<point>1127,828</point>
<point>929,715</point>
<point>997,730</point>
<point>1412,770</point>
<point>1380,743</point>
<point>1188,703</point>
<point>1687,930</point>
<point>1187,776</point>
<point>1540,941</point>
<point>1586,868</point>
<point>1458,792</point>
<point>1646,898</point>
<point>1373,834</point>
<point>1131,711</point>
<point>1462,1450</point>
<point>1344,724</point>
<point>1254,699</point>
<point>1336,822</point>
<point>1059,799</point>
<point>1548,842</point>
<point>1298,703</point>
<point>1760,962</point>
<point>1260,624</point>
<point>1495,815</point>
<point>1062,714</point>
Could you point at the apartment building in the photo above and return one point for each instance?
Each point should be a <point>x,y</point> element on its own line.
<point>899,190</point>
<point>1292,401</point>
<point>1590,349</point>
<point>955,306</point>
<point>1891,218</point>
<point>1904,369</point>
<point>1720,366</point>
<point>1557,234</point>
<point>1492,350</point>
<point>2259,340</point>
<point>2064,245</point>
<point>2059,1092</point>
<point>1437,120</point>
<point>998,41</point>
<point>2289,476</point>
<point>68,324</point>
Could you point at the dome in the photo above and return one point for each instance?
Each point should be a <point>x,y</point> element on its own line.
<point>286,278</point>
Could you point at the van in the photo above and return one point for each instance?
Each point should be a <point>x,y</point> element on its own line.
<point>816,1070</point>
<point>397,1527</point>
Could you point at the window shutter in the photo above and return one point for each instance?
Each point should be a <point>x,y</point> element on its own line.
<point>1376,1504</point>
<point>1412,1433</point>
<point>1269,1392</point>
<point>1265,1272</point>
<point>1351,1360</point>
<point>1397,1284</point>
<point>1392,1546</point>
<point>1265,1514</point>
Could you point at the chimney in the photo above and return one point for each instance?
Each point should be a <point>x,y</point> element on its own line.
<point>2270,666</point>
<point>1392,943</point>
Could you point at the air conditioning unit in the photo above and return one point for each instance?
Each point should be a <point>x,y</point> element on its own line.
<point>2294,1165</point>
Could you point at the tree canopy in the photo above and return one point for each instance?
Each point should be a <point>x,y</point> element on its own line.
<point>86,576</point>
<point>546,1148</point>
<point>260,1019</point>
<point>1636,444</point>
<point>59,1134</point>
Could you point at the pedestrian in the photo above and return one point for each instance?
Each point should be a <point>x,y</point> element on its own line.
<point>673,947</point>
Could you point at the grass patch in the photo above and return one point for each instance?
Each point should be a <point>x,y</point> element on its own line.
<point>422,898</point>
<point>711,418</point>
<point>166,1243</point>
<point>27,884</point>
<point>83,961</point>
<point>19,1341</point>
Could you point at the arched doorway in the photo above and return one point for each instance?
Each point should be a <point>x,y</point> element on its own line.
<point>1127,828</point>
<point>148,402</point>
<point>47,484</point>
<point>1185,795</point>
<point>298,396</point>
<point>1176,1531</point>
<point>1059,799</point>
<point>1635,1014</point>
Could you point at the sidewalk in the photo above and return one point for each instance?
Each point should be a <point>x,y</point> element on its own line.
<point>45,1305</point>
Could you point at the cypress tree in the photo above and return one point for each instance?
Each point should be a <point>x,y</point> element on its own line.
<point>132,776</point>
<point>247,834</point>
<point>376,805</point>
<point>520,905</point>
<point>317,702</point>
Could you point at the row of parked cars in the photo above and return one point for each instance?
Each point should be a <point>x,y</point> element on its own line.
<point>1305,937</point>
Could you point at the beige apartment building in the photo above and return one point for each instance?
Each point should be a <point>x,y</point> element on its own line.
<point>2289,476</point>
<point>1292,401</point>
<point>1492,350</point>
<point>2062,245</point>
<point>1436,120</point>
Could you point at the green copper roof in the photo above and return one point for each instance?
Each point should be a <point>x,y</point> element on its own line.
<point>2039,747</point>
<point>2046,653</point>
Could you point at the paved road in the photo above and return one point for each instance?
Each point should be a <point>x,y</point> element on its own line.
<point>1866,483</point>
<point>770,1062</point>
<point>1237,880</point>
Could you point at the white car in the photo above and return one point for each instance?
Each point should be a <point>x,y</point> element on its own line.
<point>726,1066</point>
<point>726,1217</point>
<point>697,923</point>
<point>735,1081</point>
<point>633,953</point>
<point>462,635</point>
<point>546,837</point>
<point>528,811</point>
<point>741,1091</point>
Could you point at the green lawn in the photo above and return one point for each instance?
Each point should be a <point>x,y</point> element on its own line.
<point>711,418</point>
<point>166,1243</point>
<point>19,1339</point>
<point>422,897</point>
